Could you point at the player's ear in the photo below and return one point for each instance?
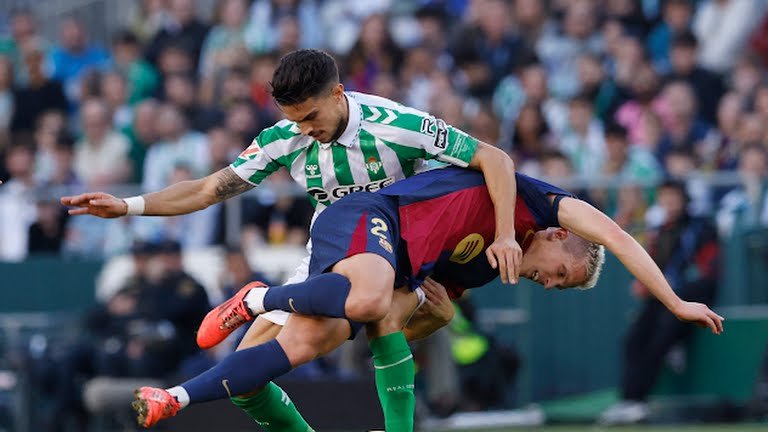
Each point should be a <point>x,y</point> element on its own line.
<point>337,91</point>
<point>559,233</point>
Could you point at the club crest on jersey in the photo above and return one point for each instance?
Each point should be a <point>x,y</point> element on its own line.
<point>467,249</point>
<point>374,165</point>
<point>251,151</point>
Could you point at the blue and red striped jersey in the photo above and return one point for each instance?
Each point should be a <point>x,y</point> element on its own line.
<point>447,221</point>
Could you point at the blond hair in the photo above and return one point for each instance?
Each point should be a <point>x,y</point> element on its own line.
<point>593,255</point>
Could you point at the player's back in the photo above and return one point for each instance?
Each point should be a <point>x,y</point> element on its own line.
<point>447,220</point>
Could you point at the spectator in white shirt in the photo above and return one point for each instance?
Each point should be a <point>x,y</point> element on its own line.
<point>101,155</point>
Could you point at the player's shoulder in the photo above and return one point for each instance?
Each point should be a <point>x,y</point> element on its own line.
<point>377,109</point>
<point>283,136</point>
<point>280,131</point>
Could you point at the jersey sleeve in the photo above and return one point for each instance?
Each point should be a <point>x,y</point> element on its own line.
<point>254,164</point>
<point>445,142</point>
<point>414,129</point>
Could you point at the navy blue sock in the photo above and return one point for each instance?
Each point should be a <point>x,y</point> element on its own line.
<point>323,295</point>
<point>236,374</point>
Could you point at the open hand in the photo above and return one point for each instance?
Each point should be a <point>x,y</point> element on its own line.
<point>98,204</point>
<point>506,255</point>
<point>701,315</point>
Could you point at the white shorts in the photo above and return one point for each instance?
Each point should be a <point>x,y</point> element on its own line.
<point>279,317</point>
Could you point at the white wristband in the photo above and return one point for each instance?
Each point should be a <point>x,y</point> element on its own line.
<point>135,205</point>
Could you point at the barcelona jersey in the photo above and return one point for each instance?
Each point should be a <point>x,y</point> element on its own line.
<point>435,223</point>
<point>447,220</point>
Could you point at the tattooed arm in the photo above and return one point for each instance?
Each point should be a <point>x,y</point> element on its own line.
<point>177,199</point>
<point>189,196</point>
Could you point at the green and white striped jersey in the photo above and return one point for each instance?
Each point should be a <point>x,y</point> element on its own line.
<point>383,142</point>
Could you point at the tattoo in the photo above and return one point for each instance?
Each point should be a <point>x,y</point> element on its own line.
<point>229,184</point>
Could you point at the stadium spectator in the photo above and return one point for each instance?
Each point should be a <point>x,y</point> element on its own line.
<point>747,205</point>
<point>74,56</point>
<point>6,93</point>
<point>676,20</point>
<point>374,52</point>
<point>683,127</point>
<point>582,139</point>
<point>114,90</point>
<point>263,29</point>
<point>182,29</point>
<point>17,205</point>
<point>643,92</point>
<point>178,145</point>
<point>39,93</point>
<point>723,28</point>
<point>559,52</point>
<point>141,77</point>
<point>101,155</point>
<point>145,330</point>
<point>686,250</point>
<point>23,29</point>
<point>707,85</point>
<point>530,138</point>
<point>141,133</point>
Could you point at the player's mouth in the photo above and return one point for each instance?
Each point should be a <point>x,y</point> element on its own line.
<point>534,276</point>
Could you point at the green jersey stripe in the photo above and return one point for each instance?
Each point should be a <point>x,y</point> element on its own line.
<point>288,159</point>
<point>282,130</point>
<point>261,174</point>
<point>314,176</point>
<point>373,160</point>
<point>341,165</point>
<point>393,117</point>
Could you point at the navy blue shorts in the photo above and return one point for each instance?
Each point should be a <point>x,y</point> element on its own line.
<point>362,222</point>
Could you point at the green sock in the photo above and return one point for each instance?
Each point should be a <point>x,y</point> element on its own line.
<point>395,373</point>
<point>273,410</point>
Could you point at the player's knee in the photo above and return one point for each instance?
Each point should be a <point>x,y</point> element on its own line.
<point>368,308</point>
<point>303,351</point>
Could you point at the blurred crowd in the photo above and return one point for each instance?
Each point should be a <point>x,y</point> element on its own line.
<point>634,90</point>
<point>609,98</point>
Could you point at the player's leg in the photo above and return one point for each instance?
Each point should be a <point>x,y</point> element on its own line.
<point>332,294</point>
<point>361,232</point>
<point>393,363</point>
<point>301,340</point>
<point>270,406</point>
<point>358,288</point>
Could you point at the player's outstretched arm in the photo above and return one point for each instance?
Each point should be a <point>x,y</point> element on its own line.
<point>436,312</point>
<point>590,223</point>
<point>177,199</point>
<point>499,172</point>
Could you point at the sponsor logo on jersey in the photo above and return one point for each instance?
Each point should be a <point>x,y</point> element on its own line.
<point>321,194</point>
<point>441,138</point>
<point>251,151</point>
<point>437,128</point>
<point>468,248</point>
<point>312,170</point>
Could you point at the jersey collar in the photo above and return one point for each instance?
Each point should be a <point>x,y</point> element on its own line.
<point>352,131</point>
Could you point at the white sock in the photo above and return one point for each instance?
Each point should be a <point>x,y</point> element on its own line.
<point>255,300</point>
<point>180,394</point>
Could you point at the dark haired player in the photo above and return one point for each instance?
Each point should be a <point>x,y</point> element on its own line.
<point>335,143</point>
